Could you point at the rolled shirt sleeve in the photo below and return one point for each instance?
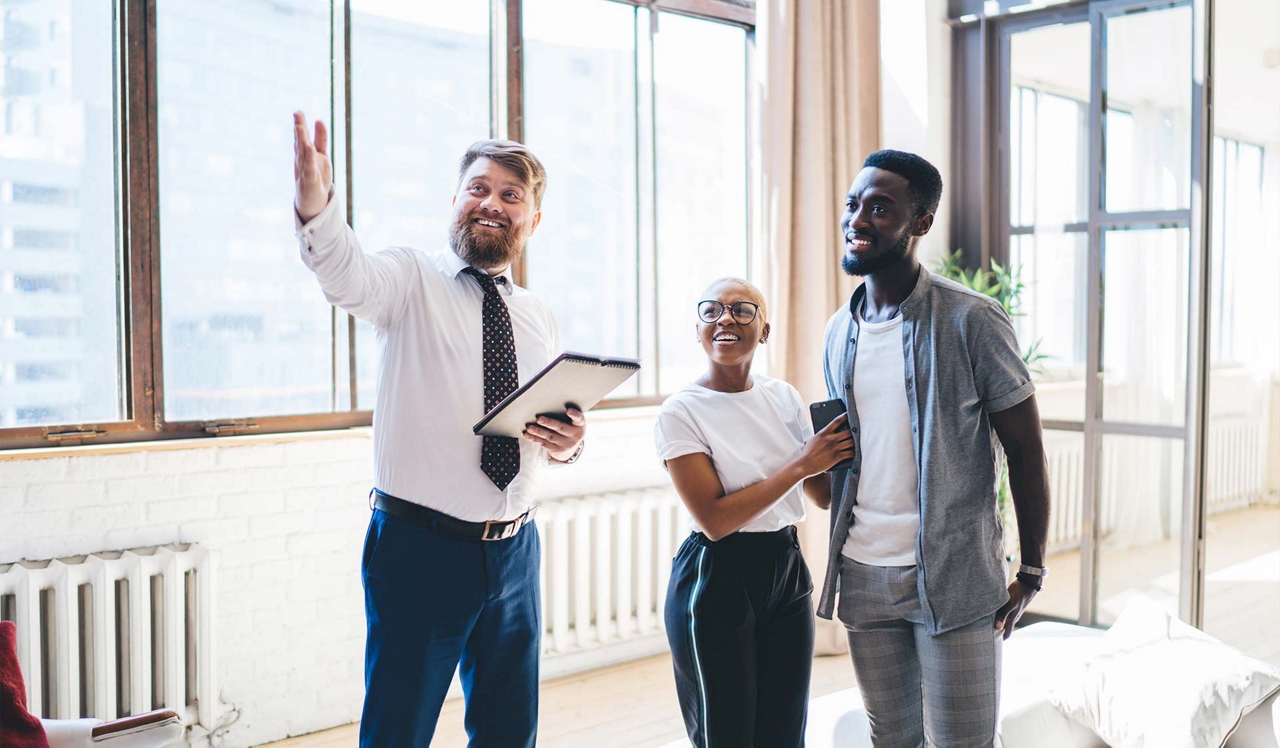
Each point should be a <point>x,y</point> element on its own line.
<point>676,435</point>
<point>999,373</point>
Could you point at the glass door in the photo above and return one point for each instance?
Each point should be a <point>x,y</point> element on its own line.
<point>1242,461</point>
<point>1143,134</point>
<point>1045,65</point>
<point>1096,217</point>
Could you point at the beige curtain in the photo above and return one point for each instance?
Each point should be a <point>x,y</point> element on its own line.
<point>819,95</point>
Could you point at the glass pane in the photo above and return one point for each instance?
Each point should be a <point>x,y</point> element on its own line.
<point>1147,120</point>
<point>580,118</point>
<point>60,326</point>
<point>1060,597</point>
<point>701,153</point>
<point>1144,328</point>
<point>1052,318</point>
<point>1139,523</point>
<point>1049,86</point>
<point>1242,524</point>
<point>246,330</point>
<point>419,97</point>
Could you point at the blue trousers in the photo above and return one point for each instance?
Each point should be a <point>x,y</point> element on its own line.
<point>436,603</point>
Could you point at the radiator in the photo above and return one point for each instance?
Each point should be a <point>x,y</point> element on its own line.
<point>1235,477</point>
<point>113,634</point>
<point>606,560</point>
<point>1066,493</point>
<point>1236,474</point>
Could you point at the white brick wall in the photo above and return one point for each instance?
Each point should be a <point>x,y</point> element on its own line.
<point>285,521</point>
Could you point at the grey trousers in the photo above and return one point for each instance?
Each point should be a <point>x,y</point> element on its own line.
<point>919,690</point>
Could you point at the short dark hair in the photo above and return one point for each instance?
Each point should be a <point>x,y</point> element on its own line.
<point>922,177</point>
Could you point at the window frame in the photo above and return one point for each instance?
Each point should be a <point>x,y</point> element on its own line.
<point>979,163</point>
<point>141,388</point>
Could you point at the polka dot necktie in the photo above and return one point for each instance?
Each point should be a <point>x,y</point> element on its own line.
<point>499,455</point>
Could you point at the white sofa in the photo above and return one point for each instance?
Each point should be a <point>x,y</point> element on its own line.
<point>1033,657</point>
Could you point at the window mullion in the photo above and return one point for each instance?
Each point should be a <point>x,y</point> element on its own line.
<point>344,325</point>
<point>646,206</point>
<point>140,196</point>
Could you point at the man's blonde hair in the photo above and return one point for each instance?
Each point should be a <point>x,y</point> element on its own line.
<point>515,157</point>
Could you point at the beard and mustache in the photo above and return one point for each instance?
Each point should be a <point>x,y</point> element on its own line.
<point>486,249</point>
<point>864,266</point>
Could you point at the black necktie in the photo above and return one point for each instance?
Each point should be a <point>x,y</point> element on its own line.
<point>499,455</point>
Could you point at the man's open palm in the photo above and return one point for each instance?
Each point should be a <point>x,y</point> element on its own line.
<point>312,169</point>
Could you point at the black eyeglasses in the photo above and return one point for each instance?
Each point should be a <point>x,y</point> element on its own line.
<point>744,312</point>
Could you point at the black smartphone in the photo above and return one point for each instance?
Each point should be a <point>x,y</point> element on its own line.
<point>822,414</point>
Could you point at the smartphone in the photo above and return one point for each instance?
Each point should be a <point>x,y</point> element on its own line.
<point>822,414</point>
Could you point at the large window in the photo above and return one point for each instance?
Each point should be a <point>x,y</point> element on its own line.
<point>581,102</point>
<point>150,285</point>
<point>60,252</point>
<point>244,333</point>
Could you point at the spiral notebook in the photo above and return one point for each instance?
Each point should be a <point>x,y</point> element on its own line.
<point>577,378</point>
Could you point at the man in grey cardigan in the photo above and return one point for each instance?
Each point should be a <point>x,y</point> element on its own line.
<point>932,378</point>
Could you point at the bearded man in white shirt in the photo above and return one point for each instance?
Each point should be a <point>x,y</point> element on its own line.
<point>451,558</point>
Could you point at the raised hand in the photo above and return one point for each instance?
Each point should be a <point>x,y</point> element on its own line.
<point>312,168</point>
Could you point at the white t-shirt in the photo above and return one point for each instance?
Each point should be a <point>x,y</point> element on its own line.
<point>886,520</point>
<point>748,435</point>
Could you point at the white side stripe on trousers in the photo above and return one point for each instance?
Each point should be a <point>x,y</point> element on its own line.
<point>693,645</point>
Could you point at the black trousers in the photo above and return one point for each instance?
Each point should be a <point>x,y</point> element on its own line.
<point>739,618</point>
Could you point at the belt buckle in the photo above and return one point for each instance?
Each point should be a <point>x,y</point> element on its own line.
<point>509,528</point>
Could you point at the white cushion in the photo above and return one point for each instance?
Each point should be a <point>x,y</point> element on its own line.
<point>1034,657</point>
<point>1155,681</point>
<point>1260,728</point>
<point>78,733</point>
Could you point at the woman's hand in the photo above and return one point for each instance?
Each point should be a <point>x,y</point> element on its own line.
<point>827,448</point>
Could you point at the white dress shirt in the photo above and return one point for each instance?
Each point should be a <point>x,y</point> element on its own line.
<point>431,377</point>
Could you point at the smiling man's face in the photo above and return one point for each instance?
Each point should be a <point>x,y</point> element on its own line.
<point>493,216</point>
<point>879,222</point>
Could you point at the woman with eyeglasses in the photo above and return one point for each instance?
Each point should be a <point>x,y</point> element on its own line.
<point>741,451</point>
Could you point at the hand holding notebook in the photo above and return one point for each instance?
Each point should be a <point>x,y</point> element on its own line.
<point>577,380</point>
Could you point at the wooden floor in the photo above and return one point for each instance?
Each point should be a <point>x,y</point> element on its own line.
<point>1242,580</point>
<point>625,706</point>
<point>634,705</point>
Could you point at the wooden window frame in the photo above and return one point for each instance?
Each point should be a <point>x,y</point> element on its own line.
<point>142,364</point>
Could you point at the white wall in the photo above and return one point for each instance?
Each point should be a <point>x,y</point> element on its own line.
<point>284,519</point>
<point>284,523</point>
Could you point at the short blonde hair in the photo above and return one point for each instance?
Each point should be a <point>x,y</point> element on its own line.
<point>513,156</point>
<point>750,287</point>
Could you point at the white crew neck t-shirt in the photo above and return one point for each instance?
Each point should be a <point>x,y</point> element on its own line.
<point>886,520</point>
<point>749,436</point>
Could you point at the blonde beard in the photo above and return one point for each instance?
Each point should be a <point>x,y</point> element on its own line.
<point>481,252</point>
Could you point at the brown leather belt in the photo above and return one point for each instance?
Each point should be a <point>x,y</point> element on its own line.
<point>492,530</point>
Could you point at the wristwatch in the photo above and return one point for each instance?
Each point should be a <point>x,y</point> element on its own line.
<point>576,454</point>
<point>1032,576</point>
